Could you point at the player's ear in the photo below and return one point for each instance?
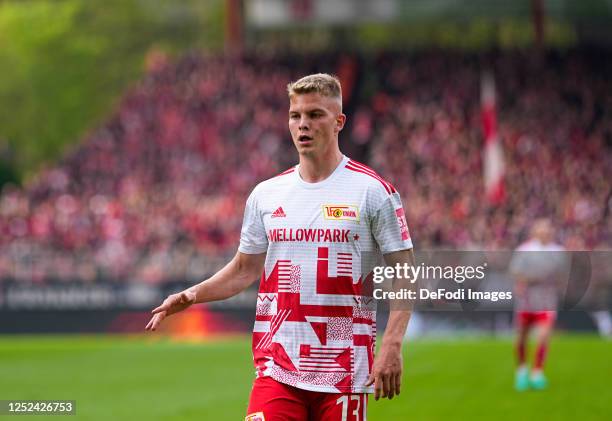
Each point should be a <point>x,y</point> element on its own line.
<point>340,121</point>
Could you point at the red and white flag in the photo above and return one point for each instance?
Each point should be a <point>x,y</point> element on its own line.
<point>493,156</point>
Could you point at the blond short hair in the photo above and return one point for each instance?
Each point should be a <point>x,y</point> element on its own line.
<point>322,83</point>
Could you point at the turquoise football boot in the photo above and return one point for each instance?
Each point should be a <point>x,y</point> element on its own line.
<point>521,380</point>
<point>538,382</point>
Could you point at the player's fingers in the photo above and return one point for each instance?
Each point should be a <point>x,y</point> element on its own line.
<point>378,386</point>
<point>160,316</point>
<point>391,392</point>
<point>148,326</point>
<point>398,383</point>
<point>153,322</point>
<point>393,385</point>
<point>386,380</point>
<point>157,319</point>
<point>151,325</point>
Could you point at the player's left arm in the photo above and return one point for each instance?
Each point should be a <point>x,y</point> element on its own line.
<point>388,365</point>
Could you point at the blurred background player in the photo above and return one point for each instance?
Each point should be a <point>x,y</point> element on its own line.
<point>537,266</point>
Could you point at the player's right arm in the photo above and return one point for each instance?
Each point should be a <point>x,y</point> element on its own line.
<point>235,277</point>
<point>246,266</point>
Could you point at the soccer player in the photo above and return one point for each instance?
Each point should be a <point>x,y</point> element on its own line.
<point>538,266</point>
<point>316,230</point>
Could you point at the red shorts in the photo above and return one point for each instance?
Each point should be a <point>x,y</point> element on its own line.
<point>528,318</point>
<point>274,401</point>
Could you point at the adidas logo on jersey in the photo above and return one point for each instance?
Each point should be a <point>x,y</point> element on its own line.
<point>279,213</point>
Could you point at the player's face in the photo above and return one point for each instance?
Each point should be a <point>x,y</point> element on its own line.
<point>314,123</point>
<point>543,231</point>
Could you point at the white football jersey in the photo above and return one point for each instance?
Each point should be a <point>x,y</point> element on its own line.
<point>546,266</point>
<point>315,325</point>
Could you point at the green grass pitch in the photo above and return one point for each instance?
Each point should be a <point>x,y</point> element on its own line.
<point>149,378</point>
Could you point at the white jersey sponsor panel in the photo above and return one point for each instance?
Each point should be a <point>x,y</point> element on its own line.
<point>315,323</point>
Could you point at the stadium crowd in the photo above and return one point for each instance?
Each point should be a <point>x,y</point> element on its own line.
<point>157,192</point>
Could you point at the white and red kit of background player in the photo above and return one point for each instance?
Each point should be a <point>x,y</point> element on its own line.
<point>315,325</point>
<point>546,267</point>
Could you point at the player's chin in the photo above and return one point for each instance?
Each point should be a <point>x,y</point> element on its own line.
<point>304,148</point>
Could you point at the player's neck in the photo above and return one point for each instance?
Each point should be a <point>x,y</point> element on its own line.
<point>314,169</point>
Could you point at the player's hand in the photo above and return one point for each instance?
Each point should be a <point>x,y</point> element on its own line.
<point>173,304</point>
<point>387,372</point>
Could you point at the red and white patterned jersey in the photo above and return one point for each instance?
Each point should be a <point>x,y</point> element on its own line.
<point>315,323</point>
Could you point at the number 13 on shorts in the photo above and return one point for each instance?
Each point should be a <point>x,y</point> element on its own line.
<point>353,407</point>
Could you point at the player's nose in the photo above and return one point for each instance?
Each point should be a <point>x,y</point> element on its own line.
<point>304,124</point>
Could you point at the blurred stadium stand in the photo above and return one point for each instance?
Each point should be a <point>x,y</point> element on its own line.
<point>157,192</point>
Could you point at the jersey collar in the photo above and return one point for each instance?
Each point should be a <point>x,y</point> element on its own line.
<point>322,183</point>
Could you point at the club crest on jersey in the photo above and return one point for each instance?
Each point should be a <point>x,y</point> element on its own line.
<point>341,212</point>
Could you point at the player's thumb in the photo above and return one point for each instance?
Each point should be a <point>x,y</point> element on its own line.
<point>371,380</point>
<point>159,309</point>
<point>167,304</point>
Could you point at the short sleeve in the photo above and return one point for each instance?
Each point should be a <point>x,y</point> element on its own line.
<point>389,226</point>
<point>253,238</point>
